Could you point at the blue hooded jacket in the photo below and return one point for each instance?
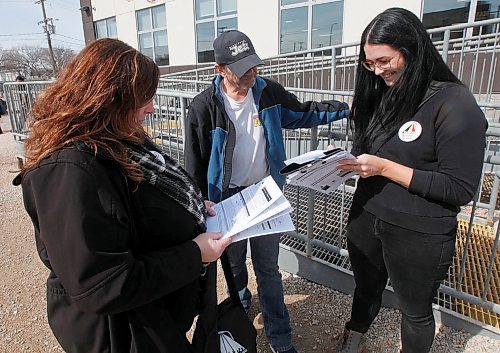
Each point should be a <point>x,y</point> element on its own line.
<point>210,134</point>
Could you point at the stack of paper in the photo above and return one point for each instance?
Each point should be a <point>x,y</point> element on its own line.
<point>317,170</point>
<point>257,210</point>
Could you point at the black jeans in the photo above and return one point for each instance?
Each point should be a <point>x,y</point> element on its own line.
<point>416,264</point>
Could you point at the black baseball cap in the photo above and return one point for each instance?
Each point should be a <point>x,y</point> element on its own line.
<point>234,49</point>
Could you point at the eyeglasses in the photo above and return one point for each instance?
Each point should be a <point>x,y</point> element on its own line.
<point>384,64</point>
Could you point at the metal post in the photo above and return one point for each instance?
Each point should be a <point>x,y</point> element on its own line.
<point>314,139</point>
<point>490,265</point>
<point>310,199</point>
<point>310,222</point>
<point>446,44</point>
<point>196,82</point>
<point>333,69</point>
<point>493,196</point>
<point>467,242</point>
<point>182,119</point>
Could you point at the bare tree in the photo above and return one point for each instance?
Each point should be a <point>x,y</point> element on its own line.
<point>29,61</point>
<point>34,61</point>
<point>63,56</point>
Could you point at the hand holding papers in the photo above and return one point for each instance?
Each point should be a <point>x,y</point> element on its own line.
<point>317,170</point>
<point>257,210</point>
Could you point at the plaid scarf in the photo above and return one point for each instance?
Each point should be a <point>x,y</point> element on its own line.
<point>169,178</point>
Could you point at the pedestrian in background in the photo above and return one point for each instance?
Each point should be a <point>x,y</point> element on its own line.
<point>118,223</point>
<point>3,104</point>
<point>233,140</point>
<point>419,141</point>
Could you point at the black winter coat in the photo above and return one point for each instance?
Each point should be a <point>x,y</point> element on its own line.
<point>124,273</point>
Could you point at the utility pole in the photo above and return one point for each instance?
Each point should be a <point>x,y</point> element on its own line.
<point>48,28</point>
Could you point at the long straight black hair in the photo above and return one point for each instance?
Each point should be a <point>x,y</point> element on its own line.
<point>377,109</point>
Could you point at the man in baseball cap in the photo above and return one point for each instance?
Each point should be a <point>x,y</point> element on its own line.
<point>234,139</point>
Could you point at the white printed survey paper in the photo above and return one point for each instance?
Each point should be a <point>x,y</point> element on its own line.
<point>317,170</point>
<point>256,210</point>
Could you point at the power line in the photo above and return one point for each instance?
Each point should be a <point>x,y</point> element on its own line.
<point>62,35</point>
<point>63,41</point>
<point>16,39</point>
<point>39,39</point>
<point>63,5</point>
<point>20,34</point>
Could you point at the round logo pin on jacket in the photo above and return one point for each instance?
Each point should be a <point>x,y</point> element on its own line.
<point>410,131</point>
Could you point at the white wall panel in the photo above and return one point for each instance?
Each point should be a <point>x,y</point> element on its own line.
<point>127,28</point>
<point>103,9</point>
<point>259,20</point>
<point>181,33</point>
<point>358,13</point>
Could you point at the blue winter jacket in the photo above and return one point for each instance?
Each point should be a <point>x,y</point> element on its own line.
<point>210,134</point>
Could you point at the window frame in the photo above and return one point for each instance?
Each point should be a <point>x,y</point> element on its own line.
<point>215,18</point>
<point>106,20</point>
<point>309,4</point>
<point>152,31</point>
<point>473,12</point>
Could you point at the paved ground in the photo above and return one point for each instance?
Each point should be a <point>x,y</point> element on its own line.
<point>317,313</point>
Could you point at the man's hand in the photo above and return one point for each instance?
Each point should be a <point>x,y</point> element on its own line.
<point>335,106</point>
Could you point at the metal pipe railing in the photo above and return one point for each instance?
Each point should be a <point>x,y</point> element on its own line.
<point>481,302</point>
<point>171,108</point>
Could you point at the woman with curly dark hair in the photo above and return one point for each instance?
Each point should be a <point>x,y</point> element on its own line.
<point>119,224</point>
<point>419,141</point>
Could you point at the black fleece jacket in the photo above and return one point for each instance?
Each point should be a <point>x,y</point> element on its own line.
<point>446,159</point>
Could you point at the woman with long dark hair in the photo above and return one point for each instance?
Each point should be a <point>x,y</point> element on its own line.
<point>419,141</point>
<point>119,224</point>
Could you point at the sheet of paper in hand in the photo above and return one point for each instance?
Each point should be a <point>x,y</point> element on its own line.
<point>257,210</point>
<point>317,170</point>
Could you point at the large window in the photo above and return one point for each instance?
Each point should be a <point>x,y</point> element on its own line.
<point>212,18</point>
<point>486,10</point>
<point>106,28</point>
<point>440,13</point>
<point>152,33</point>
<point>310,24</point>
<point>327,23</point>
<point>293,30</point>
<point>289,2</point>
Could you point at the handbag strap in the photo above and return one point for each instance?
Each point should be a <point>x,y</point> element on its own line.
<point>233,293</point>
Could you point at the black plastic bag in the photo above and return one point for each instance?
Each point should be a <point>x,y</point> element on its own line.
<point>234,331</point>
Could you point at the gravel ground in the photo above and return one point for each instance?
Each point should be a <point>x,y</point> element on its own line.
<point>317,313</point>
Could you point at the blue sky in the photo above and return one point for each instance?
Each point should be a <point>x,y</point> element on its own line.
<point>19,24</point>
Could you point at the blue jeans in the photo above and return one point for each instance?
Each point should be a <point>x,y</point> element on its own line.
<point>416,264</point>
<point>264,252</point>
